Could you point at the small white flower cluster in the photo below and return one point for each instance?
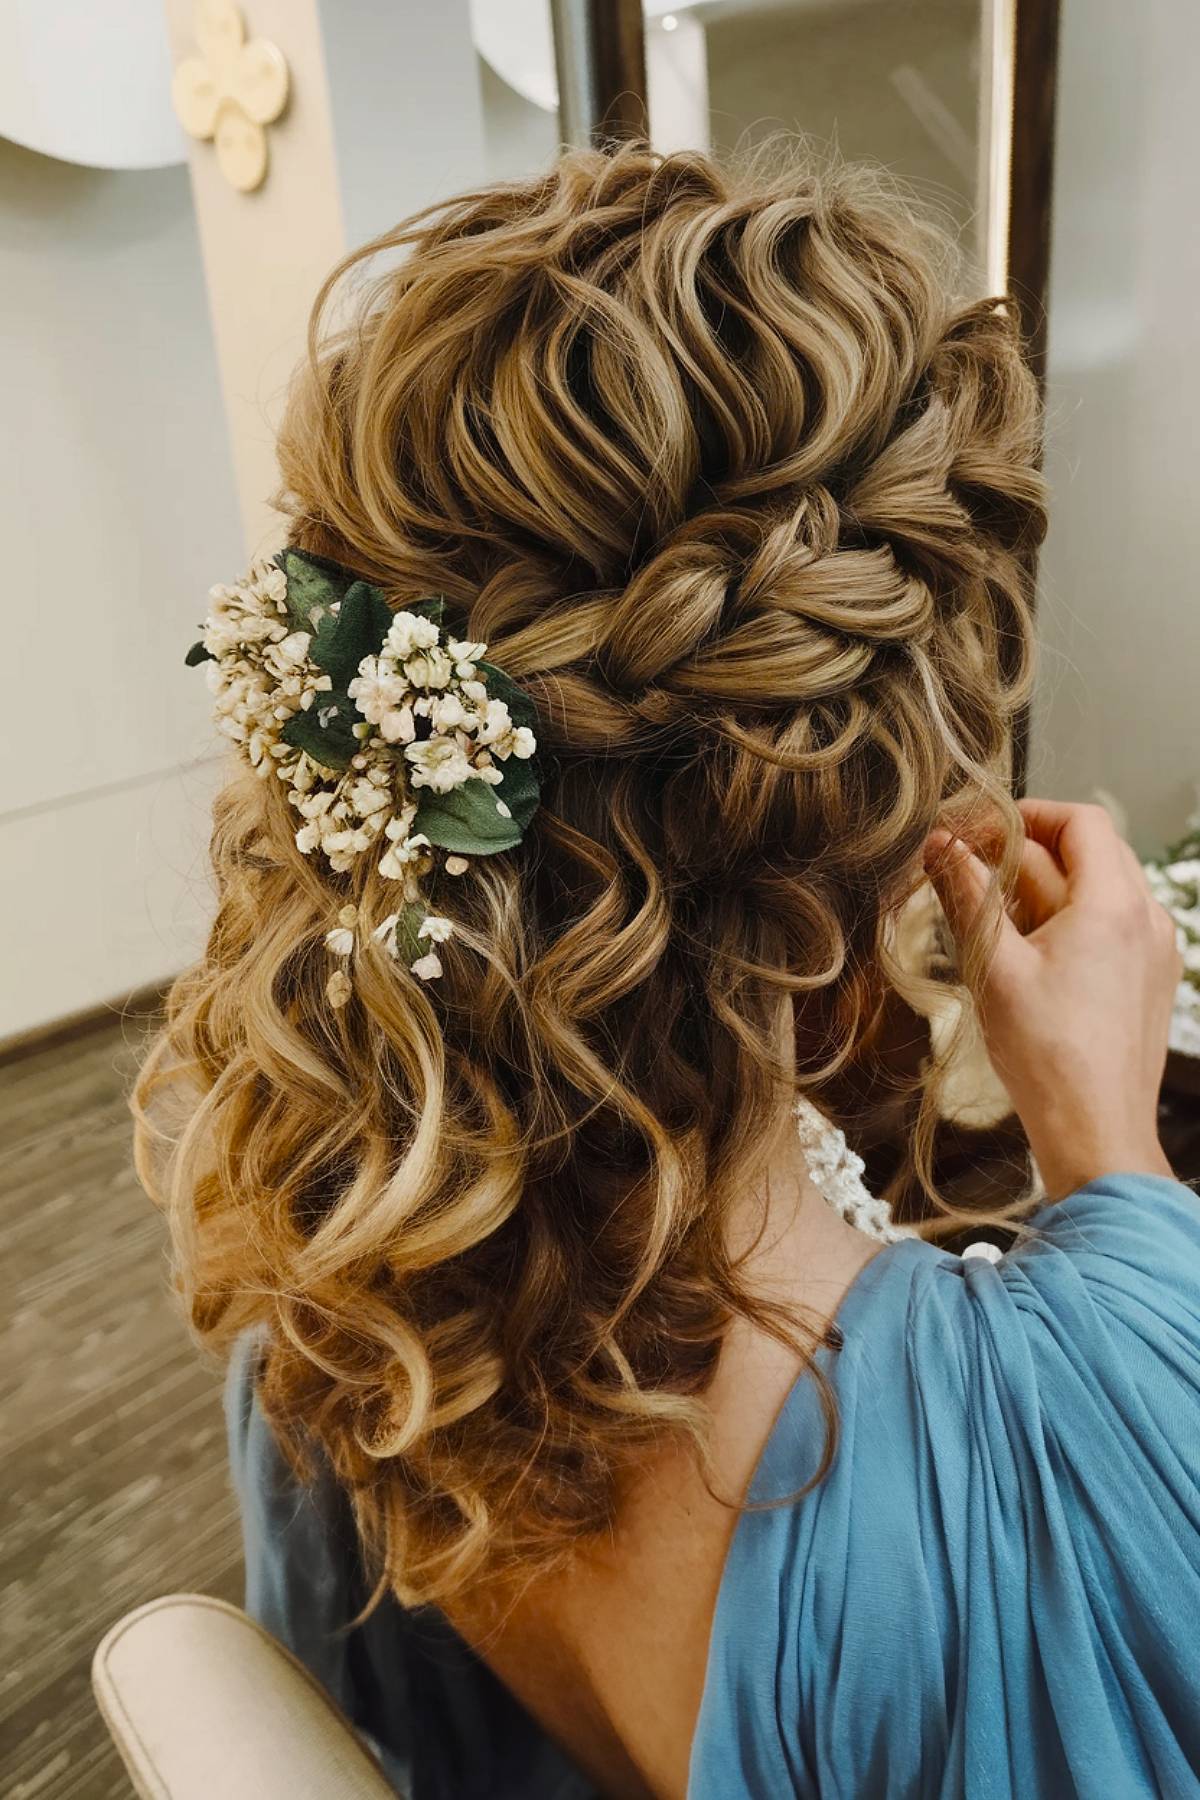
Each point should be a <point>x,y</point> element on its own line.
<point>425,721</point>
<point>260,673</point>
<point>341,941</point>
<point>1176,885</point>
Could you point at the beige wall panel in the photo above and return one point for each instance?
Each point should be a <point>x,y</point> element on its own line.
<point>266,253</point>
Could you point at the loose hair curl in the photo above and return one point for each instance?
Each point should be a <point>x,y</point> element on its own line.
<point>743,498</point>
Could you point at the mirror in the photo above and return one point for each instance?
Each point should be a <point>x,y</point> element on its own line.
<point>898,82</point>
<point>956,96</point>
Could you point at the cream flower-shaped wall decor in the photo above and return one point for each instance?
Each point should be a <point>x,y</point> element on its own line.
<point>231,91</point>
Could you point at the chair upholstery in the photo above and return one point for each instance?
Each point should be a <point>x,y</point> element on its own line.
<point>201,1702</point>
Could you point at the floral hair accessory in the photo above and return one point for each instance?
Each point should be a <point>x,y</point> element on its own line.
<point>392,735</point>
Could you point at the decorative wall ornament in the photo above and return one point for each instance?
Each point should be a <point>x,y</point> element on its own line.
<point>231,91</point>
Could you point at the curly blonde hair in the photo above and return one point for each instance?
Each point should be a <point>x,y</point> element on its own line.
<point>743,498</point>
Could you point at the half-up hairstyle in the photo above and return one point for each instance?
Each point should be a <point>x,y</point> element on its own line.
<point>743,497</point>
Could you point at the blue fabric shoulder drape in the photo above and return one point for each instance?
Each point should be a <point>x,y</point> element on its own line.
<point>996,1592</point>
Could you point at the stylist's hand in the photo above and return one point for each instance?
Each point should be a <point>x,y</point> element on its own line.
<point>1076,1003</point>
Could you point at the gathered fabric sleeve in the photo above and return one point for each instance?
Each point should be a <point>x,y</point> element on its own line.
<point>996,1591</point>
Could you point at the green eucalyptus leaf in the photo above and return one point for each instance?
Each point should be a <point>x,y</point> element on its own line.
<point>326,730</point>
<point>408,945</point>
<point>197,655</point>
<point>466,822</point>
<point>313,585</point>
<point>356,630</point>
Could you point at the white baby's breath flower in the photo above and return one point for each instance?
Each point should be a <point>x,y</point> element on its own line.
<point>257,746</point>
<point>369,799</point>
<point>505,738</point>
<point>447,712</point>
<point>397,862</point>
<point>220,638</point>
<point>377,689</point>
<point>456,865</point>
<point>340,940</point>
<point>436,929</point>
<point>313,806</point>
<point>429,669</point>
<point>428,968</point>
<point>437,763</point>
<point>348,915</point>
<point>273,584</point>
<point>385,933</point>
<point>290,652</point>
<point>398,726</point>
<point>464,654</point>
<point>494,722</point>
<point>410,632</point>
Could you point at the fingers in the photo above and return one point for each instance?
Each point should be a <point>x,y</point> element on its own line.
<point>1041,886</point>
<point>960,879</point>
<point>1072,855</point>
<point>1082,840</point>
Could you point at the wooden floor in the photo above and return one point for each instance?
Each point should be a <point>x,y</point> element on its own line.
<point>114,1484</point>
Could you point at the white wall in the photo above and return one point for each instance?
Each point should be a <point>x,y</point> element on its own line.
<point>117,512</point>
<point>520,138</point>
<point>404,91</point>
<point>1119,704</point>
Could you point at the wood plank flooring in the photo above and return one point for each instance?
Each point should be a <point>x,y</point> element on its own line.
<point>114,1481</point>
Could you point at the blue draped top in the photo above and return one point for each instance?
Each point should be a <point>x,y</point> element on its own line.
<point>994,1592</point>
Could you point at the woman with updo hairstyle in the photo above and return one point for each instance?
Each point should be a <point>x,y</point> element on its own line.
<point>596,1431</point>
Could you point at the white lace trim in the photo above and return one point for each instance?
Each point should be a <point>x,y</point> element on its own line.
<point>837,1174</point>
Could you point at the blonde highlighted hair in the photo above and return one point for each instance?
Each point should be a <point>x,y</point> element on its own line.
<point>742,496</point>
